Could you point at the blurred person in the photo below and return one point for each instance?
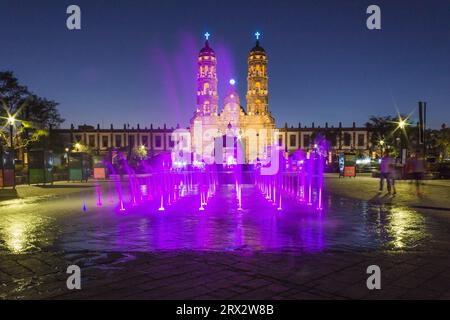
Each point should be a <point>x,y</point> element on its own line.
<point>385,170</point>
<point>418,169</point>
<point>409,166</point>
<point>395,173</point>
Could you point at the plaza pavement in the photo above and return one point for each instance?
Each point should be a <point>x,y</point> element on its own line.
<point>412,273</point>
<point>226,275</point>
<point>435,194</point>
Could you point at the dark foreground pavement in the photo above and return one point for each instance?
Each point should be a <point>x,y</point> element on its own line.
<point>231,275</point>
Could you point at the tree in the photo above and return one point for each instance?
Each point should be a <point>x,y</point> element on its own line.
<point>381,129</point>
<point>387,133</point>
<point>35,115</point>
<point>140,152</point>
<point>325,139</point>
<point>443,143</point>
<point>12,94</point>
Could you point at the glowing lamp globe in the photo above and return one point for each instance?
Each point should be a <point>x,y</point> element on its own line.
<point>11,120</point>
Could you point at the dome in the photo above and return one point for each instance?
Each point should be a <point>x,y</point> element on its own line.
<point>207,50</point>
<point>257,49</point>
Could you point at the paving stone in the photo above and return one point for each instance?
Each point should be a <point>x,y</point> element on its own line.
<point>120,258</point>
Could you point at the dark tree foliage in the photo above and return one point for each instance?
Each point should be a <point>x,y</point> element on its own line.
<point>35,115</point>
<point>34,111</point>
<point>382,128</point>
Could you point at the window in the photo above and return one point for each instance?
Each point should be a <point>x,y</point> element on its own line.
<point>105,141</point>
<point>158,141</point>
<point>91,141</point>
<point>280,141</point>
<point>292,140</point>
<point>205,88</point>
<point>306,140</point>
<point>171,142</point>
<point>360,139</point>
<point>258,70</point>
<point>347,139</point>
<point>206,107</point>
<point>333,140</point>
<point>118,140</point>
<point>257,87</point>
<point>131,141</point>
<point>145,140</point>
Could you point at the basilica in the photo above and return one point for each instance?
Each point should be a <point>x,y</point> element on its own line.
<point>225,134</point>
<point>232,133</point>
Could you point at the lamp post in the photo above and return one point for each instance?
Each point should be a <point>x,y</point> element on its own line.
<point>402,124</point>
<point>11,121</point>
<point>67,155</point>
<point>381,146</point>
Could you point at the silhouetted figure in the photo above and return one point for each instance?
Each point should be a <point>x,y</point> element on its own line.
<point>396,173</point>
<point>385,170</point>
<point>418,169</point>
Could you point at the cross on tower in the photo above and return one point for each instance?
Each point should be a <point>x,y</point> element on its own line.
<point>257,35</point>
<point>207,36</point>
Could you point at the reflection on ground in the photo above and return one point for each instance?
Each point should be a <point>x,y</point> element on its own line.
<point>62,224</point>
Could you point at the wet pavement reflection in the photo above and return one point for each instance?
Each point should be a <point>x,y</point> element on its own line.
<point>62,224</point>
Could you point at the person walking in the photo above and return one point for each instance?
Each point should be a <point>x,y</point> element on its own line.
<point>418,171</point>
<point>385,170</point>
<point>395,173</point>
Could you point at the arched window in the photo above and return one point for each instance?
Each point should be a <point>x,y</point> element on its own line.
<point>205,88</point>
<point>258,69</point>
<point>206,107</point>
<point>257,87</point>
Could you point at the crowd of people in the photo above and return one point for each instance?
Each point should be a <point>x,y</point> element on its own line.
<point>392,169</point>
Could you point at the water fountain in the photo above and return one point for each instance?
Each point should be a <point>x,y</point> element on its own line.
<point>162,186</point>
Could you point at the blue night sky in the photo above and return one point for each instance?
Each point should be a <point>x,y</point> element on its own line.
<point>135,61</point>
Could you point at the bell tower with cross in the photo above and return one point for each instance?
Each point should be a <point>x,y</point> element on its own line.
<point>257,80</point>
<point>207,98</point>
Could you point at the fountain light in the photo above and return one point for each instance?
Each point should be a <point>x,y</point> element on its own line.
<point>201,202</point>
<point>319,206</point>
<point>161,208</point>
<point>310,195</point>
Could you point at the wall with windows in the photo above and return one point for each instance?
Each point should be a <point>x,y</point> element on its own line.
<point>160,140</point>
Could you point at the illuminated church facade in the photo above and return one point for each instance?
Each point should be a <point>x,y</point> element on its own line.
<point>228,134</point>
<point>232,133</point>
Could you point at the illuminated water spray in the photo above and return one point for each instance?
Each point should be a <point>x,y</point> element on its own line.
<point>201,202</point>
<point>161,207</point>
<point>99,194</point>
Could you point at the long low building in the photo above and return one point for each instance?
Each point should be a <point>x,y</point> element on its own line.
<point>158,140</point>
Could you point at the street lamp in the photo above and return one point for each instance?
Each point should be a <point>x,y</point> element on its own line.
<point>402,124</point>
<point>11,121</point>
<point>67,155</point>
